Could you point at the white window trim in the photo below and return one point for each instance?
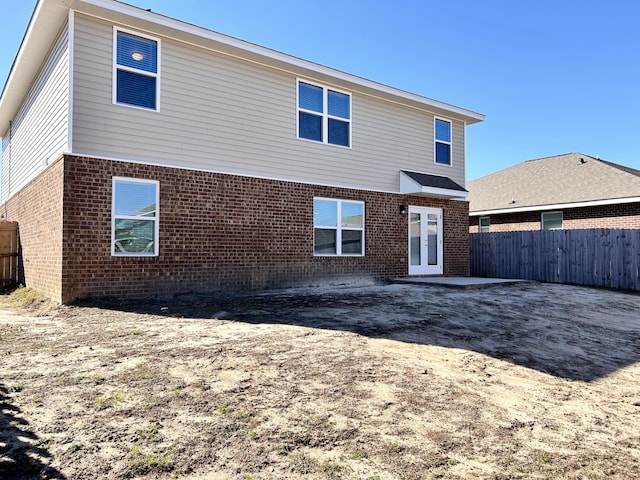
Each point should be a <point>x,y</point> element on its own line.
<point>116,67</point>
<point>436,141</point>
<point>156,219</point>
<point>548,213</point>
<point>480,224</point>
<point>325,113</point>
<point>339,229</point>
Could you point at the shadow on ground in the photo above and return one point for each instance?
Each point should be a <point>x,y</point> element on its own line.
<point>566,331</point>
<point>19,457</point>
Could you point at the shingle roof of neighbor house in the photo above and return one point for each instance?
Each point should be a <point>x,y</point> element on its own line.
<point>569,180</point>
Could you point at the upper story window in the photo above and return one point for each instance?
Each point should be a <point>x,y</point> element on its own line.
<point>338,227</point>
<point>135,217</point>
<point>136,70</point>
<point>552,220</point>
<point>324,115</point>
<point>442,141</point>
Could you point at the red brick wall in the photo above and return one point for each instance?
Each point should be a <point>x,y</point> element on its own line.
<point>38,210</point>
<point>607,216</point>
<point>216,232</point>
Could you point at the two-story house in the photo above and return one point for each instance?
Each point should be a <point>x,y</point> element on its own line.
<point>142,155</point>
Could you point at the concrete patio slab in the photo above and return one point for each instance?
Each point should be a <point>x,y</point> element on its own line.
<point>458,282</point>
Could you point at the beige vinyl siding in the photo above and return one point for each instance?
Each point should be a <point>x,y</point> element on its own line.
<point>223,114</point>
<point>38,134</point>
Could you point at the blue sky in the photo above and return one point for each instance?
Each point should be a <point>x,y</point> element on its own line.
<point>552,76</point>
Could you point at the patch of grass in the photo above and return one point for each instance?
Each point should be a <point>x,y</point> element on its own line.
<point>244,417</point>
<point>151,433</point>
<point>162,461</point>
<point>334,470</point>
<point>112,401</point>
<point>25,296</point>
<point>224,409</point>
<point>360,454</point>
<point>395,448</point>
<point>304,464</point>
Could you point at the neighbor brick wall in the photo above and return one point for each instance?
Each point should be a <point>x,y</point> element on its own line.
<point>606,216</point>
<point>230,232</point>
<point>38,210</point>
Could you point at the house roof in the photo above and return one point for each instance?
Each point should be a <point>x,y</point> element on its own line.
<point>562,181</point>
<point>433,185</point>
<point>50,15</point>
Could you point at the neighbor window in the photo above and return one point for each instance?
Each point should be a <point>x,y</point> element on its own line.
<point>552,220</point>
<point>135,217</point>
<point>484,225</point>
<point>324,115</point>
<point>136,72</point>
<point>338,227</point>
<point>442,137</point>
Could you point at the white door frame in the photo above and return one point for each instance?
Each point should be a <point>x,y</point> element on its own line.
<point>425,262</point>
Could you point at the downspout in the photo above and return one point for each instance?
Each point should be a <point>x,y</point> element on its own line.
<point>6,213</point>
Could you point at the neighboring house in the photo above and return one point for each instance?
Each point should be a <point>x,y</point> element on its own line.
<point>566,191</point>
<point>146,156</point>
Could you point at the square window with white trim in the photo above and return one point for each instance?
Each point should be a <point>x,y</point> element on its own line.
<point>442,136</point>
<point>135,217</point>
<point>552,221</point>
<point>338,227</point>
<point>324,114</point>
<point>136,72</point>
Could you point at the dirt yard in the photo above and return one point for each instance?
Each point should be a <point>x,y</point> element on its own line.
<point>370,382</point>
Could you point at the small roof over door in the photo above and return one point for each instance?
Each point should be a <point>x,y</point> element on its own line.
<point>431,185</point>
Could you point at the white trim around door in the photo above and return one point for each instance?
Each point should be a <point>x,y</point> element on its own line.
<point>425,241</point>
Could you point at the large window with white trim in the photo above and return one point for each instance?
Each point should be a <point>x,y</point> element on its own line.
<point>135,217</point>
<point>136,72</point>
<point>338,227</point>
<point>324,114</point>
<point>442,129</point>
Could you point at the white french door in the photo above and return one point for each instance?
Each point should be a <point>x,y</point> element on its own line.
<point>425,241</point>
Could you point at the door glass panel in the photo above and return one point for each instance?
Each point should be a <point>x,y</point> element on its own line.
<point>414,242</point>
<point>432,235</point>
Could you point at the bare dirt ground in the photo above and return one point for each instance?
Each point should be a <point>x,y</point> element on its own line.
<point>371,382</point>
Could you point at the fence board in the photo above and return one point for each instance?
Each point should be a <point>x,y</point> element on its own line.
<point>8,253</point>
<point>595,257</point>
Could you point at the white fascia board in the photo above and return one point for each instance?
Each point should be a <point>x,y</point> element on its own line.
<point>468,116</point>
<point>555,206</point>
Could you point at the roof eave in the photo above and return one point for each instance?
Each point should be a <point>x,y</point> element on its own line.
<point>554,206</point>
<point>45,23</point>
<point>49,16</point>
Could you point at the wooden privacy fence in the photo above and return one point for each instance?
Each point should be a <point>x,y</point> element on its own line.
<point>9,253</point>
<point>595,257</point>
